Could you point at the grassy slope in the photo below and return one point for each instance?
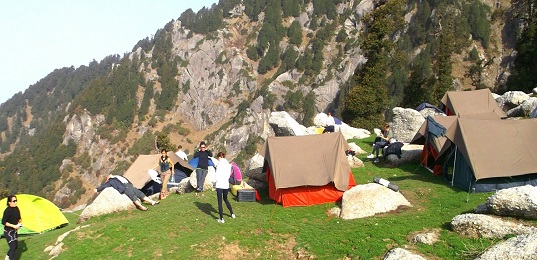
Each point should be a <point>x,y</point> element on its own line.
<point>184,226</point>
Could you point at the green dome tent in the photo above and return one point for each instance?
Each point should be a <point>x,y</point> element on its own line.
<point>38,214</point>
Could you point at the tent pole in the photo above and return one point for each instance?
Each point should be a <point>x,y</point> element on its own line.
<point>454,162</point>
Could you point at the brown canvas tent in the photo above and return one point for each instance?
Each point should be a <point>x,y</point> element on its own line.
<point>471,102</point>
<point>432,136</point>
<point>307,170</point>
<point>138,171</point>
<point>488,155</point>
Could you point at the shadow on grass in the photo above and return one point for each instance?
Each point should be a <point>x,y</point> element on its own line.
<point>20,249</point>
<point>207,208</point>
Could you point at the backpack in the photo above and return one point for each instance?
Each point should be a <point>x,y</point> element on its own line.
<point>236,175</point>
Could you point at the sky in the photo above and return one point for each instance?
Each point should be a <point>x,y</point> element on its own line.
<point>41,36</point>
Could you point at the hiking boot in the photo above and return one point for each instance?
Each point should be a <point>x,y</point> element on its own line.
<point>232,215</point>
<point>371,156</point>
<point>220,220</point>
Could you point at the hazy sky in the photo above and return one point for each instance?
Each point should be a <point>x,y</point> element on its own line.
<point>41,36</point>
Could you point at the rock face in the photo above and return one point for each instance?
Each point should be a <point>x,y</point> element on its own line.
<point>108,201</point>
<point>478,225</point>
<point>516,202</point>
<point>363,201</point>
<point>520,247</point>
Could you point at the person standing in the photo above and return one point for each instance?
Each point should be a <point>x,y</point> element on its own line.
<point>203,165</point>
<point>166,170</point>
<point>12,222</point>
<point>223,171</point>
<point>180,153</point>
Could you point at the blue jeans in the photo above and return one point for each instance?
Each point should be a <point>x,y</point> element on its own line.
<point>200,177</point>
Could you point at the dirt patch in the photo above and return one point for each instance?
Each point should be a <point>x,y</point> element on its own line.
<point>273,249</point>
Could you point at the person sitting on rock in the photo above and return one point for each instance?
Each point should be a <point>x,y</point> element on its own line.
<point>124,186</point>
<point>380,142</point>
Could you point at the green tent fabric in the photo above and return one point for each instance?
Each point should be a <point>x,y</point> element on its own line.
<point>38,214</point>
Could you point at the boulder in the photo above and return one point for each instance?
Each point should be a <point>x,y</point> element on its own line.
<point>356,148</point>
<point>410,153</point>
<point>516,202</point>
<point>256,184</point>
<point>183,187</point>
<point>353,133</point>
<point>405,123</point>
<point>427,238</point>
<point>524,109</point>
<point>284,125</point>
<point>519,247</point>
<point>354,161</point>
<point>209,179</point>
<point>108,201</point>
<point>478,225</point>
<point>254,170</point>
<point>430,112</point>
<point>511,99</point>
<point>369,199</point>
<point>401,254</point>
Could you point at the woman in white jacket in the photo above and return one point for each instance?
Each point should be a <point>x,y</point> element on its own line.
<point>223,172</point>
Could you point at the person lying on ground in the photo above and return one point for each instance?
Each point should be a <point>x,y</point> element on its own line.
<point>124,186</point>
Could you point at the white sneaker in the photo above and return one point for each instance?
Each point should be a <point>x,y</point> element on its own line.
<point>376,160</point>
<point>220,220</point>
<point>371,156</point>
<point>232,215</point>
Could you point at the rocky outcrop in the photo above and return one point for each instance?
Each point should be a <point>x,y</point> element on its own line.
<point>108,201</point>
<point>516,202</point>
<point>516,248</point>
<point>479,225</point>
<point>363,201</point>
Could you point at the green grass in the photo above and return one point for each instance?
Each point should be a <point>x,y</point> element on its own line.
<point>184,226</point>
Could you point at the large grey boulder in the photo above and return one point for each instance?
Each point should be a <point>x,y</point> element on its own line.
<point>410,153</point>
<point>524,109</point>
<point>401,254</point>
<point>521,247</point>
<point>511,99</point>
<point>369,199</point>
<point>284,125</point>
<point>478,225</point>
<point>426,112</point>
<point>183,187</point>
<point>209,179</point>
<point>405,123</point>
<point>255,168</point>
<point>516,202</point>
<point>347,131</point>
<point>108,201</point>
